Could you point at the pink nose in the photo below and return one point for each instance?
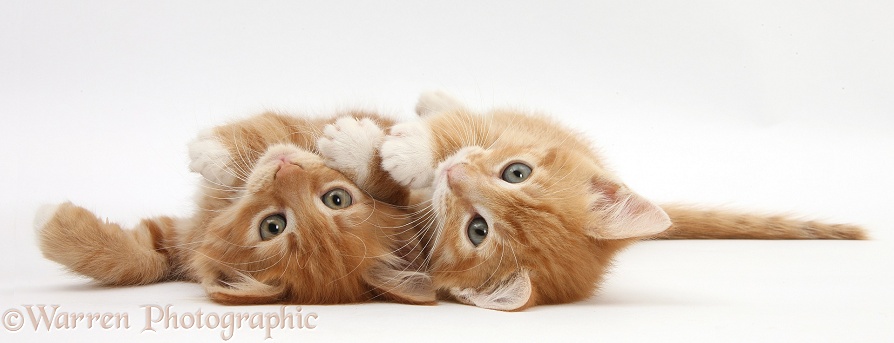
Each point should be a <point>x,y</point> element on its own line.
<point>288,168</point>
<point>456,173</point>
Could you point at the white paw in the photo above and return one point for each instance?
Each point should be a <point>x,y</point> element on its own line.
<point>436,102</point>
<point>349,146</point>
<point>44,214</point>
<point>207,156</point>
<point>407,154</point>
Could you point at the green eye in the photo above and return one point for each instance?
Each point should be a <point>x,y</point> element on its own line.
<point>272,226</point>
<point>337,199</point>
<point>477,230</point>
<point>516,173</point>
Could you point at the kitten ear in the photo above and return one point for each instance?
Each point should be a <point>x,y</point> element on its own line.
<point>515,294</point>
<point>400,283</point>
<point>617,213</point>
<point>247,291</point>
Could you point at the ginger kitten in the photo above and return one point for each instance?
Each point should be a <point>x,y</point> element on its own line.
<point>274,223</point>
<point>517,210</point>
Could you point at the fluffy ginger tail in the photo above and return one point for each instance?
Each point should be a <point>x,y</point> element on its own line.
<point>693,223</point>
<point>87,245</point>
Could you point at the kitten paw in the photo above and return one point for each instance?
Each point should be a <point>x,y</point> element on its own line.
<point>407,154</point>
<point>435,102</point>
<point>349,145</point>
<point>209,157</point>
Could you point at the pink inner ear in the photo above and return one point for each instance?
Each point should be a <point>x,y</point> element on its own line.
<point>513,294</point>
<point>621,213</point>
<point>400,282</point>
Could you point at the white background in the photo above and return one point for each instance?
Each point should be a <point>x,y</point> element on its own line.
<point>775,106</point>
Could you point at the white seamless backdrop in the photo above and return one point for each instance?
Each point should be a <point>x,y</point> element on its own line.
<point>772,106</point>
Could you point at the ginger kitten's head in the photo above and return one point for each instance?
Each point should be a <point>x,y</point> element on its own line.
<point>530,216</point>
<point>303,233</point>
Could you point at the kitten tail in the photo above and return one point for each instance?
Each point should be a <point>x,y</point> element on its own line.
<point>87,245</point>
<point>693,223</point>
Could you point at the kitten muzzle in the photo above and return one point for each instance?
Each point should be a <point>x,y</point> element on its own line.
<point>286,169</point>
<point>456,174</point>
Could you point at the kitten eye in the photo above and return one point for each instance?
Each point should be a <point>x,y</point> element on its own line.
<point>337,199</point>
<point>477,230</point>
<point>272,226</point>
<point>516,173</point>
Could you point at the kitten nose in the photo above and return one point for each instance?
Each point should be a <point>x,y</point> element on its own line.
<point>288,168</point>
<point>456,173</point>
